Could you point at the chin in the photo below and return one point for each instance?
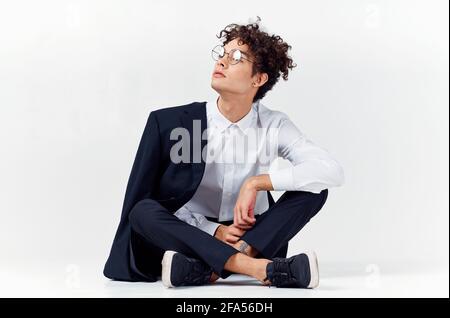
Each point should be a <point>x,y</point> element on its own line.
<point>215,86</point>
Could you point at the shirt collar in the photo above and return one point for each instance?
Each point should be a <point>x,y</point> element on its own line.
<point>222,123</point>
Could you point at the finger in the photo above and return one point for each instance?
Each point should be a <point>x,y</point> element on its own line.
<point>236,231</point>
<point>231,238</point>
<point>246,218</point>
<point>243,227</point>
<point>238,222</point>
<point>243,222</point>
<point>233,230</point>
<point>235,219</point>
<point>239,217</point>
<point>251,215</point>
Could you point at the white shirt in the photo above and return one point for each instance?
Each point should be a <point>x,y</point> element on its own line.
<point>237,151</point>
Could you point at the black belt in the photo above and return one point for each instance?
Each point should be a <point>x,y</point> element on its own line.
<point>228,222</point>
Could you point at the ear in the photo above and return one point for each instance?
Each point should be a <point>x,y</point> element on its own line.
<point>261,79</point>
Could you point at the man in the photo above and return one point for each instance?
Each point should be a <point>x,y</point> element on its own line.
<point>191,215</point>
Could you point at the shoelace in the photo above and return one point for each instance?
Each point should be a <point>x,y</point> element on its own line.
<point>281,272</point>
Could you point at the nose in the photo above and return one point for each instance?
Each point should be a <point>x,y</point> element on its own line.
<point>223,61</point>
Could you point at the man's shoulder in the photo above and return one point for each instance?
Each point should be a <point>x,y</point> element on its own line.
<point>170,117</point>
<point>176,110</point>
<point>271,116</point>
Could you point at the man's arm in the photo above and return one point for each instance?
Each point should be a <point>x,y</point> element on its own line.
<point>260,182</point>
<point>313,170</point>
<point>244,217</point>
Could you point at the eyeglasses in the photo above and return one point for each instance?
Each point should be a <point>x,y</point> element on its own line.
<point>234,56</point>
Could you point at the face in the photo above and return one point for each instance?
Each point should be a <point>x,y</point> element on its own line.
<point>238,77</point>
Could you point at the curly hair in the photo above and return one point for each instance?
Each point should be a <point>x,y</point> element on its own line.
<point>269,53</point>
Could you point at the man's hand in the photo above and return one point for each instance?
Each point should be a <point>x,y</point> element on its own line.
<point>229,234</point>
<point>244,217</point>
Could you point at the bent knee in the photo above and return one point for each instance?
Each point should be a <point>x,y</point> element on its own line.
<point>142,212</point>
<point>320,198</point>
<point>149,212</point>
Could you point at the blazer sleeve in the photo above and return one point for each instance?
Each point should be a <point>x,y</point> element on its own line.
<point>145,169</point>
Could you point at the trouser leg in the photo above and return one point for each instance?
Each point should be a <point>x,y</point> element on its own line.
<point>282,221</point>
<point>164,230</point>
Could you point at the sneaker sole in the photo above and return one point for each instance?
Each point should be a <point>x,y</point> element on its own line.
<point>166,268</point>
<point>313,269</point>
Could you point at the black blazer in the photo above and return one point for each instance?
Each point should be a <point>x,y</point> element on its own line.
<point>155,176</point>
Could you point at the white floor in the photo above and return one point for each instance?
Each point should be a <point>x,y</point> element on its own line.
<point>336,280</point>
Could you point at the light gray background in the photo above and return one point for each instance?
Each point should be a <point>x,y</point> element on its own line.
<point>79,78</point>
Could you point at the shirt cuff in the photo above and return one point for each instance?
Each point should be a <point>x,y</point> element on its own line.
<point>208,226</point>
<point>283,179</point>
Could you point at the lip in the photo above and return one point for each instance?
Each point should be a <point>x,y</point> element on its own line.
<point>218,74</point>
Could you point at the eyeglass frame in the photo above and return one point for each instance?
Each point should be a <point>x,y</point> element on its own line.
<point>228,53</point>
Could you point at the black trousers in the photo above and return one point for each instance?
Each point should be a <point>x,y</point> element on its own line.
<point>155,230</point>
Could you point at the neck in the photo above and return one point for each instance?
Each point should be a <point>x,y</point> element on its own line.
<point>234,108</point>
